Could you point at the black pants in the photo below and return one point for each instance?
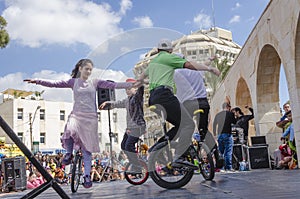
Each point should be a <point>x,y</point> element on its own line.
<point>128,146</point>
<point>177,115</point>
<point>202,118</point>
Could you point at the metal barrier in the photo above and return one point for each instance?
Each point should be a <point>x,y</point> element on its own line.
<point>49,180</point>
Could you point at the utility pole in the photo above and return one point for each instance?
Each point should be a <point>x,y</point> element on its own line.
<point>30,130</point>
<point>31,120</point>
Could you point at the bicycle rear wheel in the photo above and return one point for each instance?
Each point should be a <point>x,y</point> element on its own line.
<point>163,173</point>
<point>136,178</point>
<point>206,162</point>
<point>76,173</point>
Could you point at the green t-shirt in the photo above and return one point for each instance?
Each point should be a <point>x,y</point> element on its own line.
<point>161,69</point>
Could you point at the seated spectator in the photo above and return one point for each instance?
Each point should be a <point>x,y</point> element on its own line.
<point>44,162</point>
<point>32,181</point>
<point>282,155</point>
<point>39,177</point>
<point>289,134</point>
<point>95,175</point>
<point>144,150</point>
<point>52,166</point>
<point>283,122</point>
<point>50,172</point>
<point>59,175</point>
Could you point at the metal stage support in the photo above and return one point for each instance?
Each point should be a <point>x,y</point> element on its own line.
<point>50,182</point>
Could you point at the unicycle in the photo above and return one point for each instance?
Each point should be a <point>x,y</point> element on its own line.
<point>77,174</point>
<point>136,178</point>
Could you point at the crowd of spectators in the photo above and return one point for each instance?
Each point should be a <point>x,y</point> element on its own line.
<point>101,169</point>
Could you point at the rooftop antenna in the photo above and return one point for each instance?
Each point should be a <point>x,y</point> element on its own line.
<point>213,14</point>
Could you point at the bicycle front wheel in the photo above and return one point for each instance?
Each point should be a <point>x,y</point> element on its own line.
<point>76,173</point>
<point>163,173</point>
<point>136,178</point>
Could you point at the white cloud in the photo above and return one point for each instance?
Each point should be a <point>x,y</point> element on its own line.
<point>235,19</point>
<point>143,22</point>
<point>250,19</point>
<point>36,23</point>
<point>125,5</point>
<point>202,21</point>
<point>236,6</point>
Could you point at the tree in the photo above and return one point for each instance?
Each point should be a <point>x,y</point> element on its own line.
<point>213,80</point>
<point>4,37</point>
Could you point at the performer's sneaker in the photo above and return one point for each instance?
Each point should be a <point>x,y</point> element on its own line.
<point>87,182</point>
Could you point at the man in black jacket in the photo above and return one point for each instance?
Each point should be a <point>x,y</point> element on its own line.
<point>242,120</point>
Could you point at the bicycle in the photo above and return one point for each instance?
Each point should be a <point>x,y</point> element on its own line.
<point>172,176</point>
<point>77,174</point>
<point>133,177</point>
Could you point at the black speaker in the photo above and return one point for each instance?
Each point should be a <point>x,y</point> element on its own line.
<point>14,173</point>
<point>258,157</point>
<point>106,95</point>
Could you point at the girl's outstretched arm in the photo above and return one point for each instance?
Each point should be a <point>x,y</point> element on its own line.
<point>52,83</point>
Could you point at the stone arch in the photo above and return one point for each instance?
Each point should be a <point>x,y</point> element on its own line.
<point>267,91</point>
<point>242,98</point>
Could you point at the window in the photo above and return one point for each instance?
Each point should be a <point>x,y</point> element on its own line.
<point>115,117</point>
<point>20,114</point>
<point>116,136</point>
<point>62,115</point>
<point>61,134</point>
<point>107,147</point>
<point>99,116</point>
<point>42,114</point>
<point>100,138</point>
<point>20,136</point>
<point>42,138</point>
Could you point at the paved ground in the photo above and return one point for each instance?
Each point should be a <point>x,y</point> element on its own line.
<point>256,184</point>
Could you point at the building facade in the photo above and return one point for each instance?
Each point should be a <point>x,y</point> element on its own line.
<point>198,47</point>
<point>40,123</point>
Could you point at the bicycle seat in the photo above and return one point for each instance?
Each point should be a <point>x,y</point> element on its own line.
<point>158,109</point>
<point>198,111</point>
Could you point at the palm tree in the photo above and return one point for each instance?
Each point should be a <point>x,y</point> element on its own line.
<point>212,80</point>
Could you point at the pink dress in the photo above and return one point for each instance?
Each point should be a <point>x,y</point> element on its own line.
<point>82,124</point>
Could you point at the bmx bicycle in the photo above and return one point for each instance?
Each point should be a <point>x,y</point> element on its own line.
<point>171,176</point>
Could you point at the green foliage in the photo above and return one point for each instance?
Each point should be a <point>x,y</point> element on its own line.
<point>212,80</point>
<point>4,37</point>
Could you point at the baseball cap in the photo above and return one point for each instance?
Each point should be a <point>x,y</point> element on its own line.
<point>165,44</point>
<point>130,80</point>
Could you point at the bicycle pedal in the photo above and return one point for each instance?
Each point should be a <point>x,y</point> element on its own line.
<point>169,165</point>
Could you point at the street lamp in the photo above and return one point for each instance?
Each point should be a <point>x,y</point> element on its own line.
<point>31,120</point>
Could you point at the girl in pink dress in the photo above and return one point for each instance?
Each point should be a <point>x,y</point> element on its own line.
<point>81,130</point>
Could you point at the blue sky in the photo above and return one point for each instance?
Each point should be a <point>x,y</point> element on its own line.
<point>49,37</point>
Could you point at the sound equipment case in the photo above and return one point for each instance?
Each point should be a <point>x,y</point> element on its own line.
<point>14,174</point>
<point>258,156</point>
